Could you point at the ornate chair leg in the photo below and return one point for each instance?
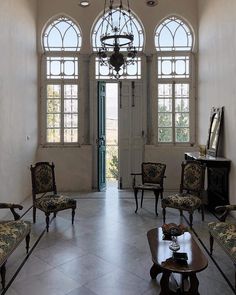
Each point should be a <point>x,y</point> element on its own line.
<point>191,219</point>
<point>47,221</point>
<point>27,240</point>
<point>142,199</point>
<point>202,211</point>
<point>136,199</point>
<point>156,193</point>
<point>164,214</point>
<point>3,274</point>
<point>211,244</point>
<point>73,215</point>
<point>34,214</point>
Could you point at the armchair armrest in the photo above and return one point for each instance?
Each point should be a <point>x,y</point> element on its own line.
<point>225,209</point>
<point>134,178</point>
<point>12,207</point>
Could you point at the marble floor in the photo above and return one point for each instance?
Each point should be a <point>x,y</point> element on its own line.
<point>106,252</point>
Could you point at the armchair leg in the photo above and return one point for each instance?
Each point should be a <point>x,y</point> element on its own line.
<point>142,198</point>
<point>136,199</point>
<point>211,244</point>
<point>202,211</point>
<point>164,214</point>
<point>27,240</point>
<point>73,215</point>
<point>3,275</point>
<point>191,219</point>
<point>156,193</point>
<point>47,221</point>
<point>54,214</point>
<point>34,214</point>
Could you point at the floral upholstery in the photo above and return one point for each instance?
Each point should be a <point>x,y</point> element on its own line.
<point>182,201</point>
<point>45,195</point>
<point>192,177</point>
<point>52,203</point>
<point>43,178</point>
<point>225,234</point>
<point>189,196</point>
<point>152,172</point>
<point>11,234</point>
<point>152,179</point>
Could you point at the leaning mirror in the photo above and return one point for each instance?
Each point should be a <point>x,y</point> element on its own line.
<point>215,131</point>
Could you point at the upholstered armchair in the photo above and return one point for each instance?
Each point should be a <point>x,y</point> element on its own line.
<point>153,175</point>
<point>12,233</point>
<point>224,232</point>
<point>189,197</point>
<point>44,192</point>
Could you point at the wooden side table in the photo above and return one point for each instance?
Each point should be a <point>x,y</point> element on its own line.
<point>165,264</point>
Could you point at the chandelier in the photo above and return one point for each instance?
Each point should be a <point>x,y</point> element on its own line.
<point>117,49</point>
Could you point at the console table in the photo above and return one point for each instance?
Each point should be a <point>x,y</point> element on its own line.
<point>217,178</point>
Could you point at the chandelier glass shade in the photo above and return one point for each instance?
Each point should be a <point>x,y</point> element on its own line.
<point>116,40</point>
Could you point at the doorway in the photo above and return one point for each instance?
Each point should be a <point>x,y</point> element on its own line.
<point>112,170</point>
<point>121,135</point>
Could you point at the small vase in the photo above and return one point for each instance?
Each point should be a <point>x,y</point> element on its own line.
<point>174,246</point>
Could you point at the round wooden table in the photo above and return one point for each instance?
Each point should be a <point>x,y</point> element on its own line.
<point>164,263</point>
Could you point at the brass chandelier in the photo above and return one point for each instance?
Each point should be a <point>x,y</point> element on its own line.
<point>117,49</point>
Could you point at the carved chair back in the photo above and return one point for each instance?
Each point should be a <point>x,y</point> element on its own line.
<point>153,173</point>
<point>43,178</point>
<point>192,177</point>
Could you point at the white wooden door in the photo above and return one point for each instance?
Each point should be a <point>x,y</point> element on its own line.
<point>131,130</point>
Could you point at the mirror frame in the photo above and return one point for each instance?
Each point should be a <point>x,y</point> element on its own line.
<point>215,111</point>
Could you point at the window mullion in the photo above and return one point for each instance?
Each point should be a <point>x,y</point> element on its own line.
<point>62,111</point>
<point>173,112</point>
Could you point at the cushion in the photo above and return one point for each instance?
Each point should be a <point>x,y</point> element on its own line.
<point>11,234</point>
<point>148,186</point>
<point>225,233</point>
<point>52,203</point>
<point>182,201</point>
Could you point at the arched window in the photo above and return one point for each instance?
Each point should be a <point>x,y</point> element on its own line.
<point>174,44</point>
<point>61,43</point>
<point>132,71</point>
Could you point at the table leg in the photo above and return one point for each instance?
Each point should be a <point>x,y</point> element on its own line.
<point>154,271</point>
<point>194,283</point>
<point>136,199</point>
<point>165,290</point>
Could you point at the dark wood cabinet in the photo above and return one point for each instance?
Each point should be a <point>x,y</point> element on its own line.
<point>217,178</point>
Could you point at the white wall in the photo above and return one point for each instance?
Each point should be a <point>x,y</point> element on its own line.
<point>18,97</point>
<point>217,69</point>
<point>73,167</point>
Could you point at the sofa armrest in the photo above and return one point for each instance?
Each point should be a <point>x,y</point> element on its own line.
<point>12,207</point>
<point>225,211</point>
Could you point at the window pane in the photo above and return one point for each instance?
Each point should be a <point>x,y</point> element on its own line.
<point>182,105</point>
<point>164,120</point>
<point>53,135</point>
<point>182,120</point>
<point>53,120</point>
<point>70,91</point>
<point>53,91</point>
<point>71,106</point>
<point>164,105</point>
<point>165,90</point>
<point>182,134</point>
<point>165,134</point>
<point>71,120</point>
<point>181,90</point>
<point>53,106</point>
<point>70,135</point>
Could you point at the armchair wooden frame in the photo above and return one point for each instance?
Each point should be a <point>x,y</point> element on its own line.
<point>150,182</point>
